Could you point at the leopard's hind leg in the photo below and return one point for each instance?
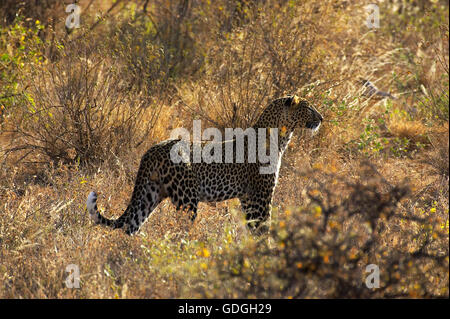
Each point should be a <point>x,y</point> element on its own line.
<point>147,194</point>
<point>143,202</point>
<point>141,206</point>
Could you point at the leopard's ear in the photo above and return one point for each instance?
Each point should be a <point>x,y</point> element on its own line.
<point>299,102</point>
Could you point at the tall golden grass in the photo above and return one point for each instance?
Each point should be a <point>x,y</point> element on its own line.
<point>80,108</point>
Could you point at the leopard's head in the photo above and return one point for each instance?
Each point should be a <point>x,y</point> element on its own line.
<point>288,113</point>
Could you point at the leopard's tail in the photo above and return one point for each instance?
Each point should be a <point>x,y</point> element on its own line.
<point>97,217</point>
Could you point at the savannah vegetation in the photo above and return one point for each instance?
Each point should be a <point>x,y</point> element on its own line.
<point>79,107</point>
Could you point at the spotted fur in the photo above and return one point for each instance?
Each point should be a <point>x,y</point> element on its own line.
<point>187,184</point>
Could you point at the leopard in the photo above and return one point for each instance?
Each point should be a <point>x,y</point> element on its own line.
<point>187,182</point>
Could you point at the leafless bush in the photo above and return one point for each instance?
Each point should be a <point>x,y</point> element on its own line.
<point>80,110</point>
<point>435,102</point>
<point>33,10</point>
<point>268,56</point>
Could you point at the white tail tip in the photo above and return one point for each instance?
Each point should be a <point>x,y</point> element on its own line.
<point>91,204</point>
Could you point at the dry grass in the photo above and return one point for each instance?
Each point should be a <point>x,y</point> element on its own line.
<point>80,109</point>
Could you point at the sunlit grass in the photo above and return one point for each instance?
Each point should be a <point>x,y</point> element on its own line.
<point>222,65</point>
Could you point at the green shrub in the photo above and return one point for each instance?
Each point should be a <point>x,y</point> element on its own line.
<point>322,251</point>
